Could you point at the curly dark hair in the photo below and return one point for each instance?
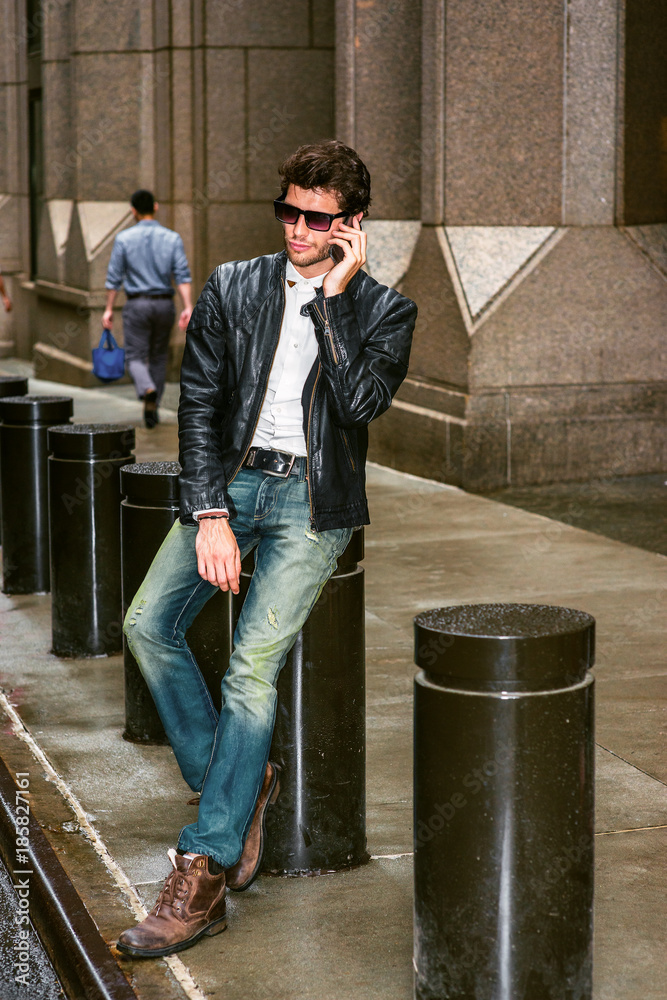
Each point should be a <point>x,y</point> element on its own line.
<point>331,166</point>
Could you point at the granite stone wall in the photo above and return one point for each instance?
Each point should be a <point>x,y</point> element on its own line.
<point>519,161</point>
<point>539,266</point>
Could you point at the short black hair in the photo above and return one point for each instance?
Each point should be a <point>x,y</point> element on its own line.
<point>143,201</point>
<point>331,166</point>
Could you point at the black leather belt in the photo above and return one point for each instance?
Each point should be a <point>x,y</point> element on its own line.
<point>147,295</point>
<point>274,463</point>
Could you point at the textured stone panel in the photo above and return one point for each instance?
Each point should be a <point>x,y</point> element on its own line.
<point>181,23</point>
<point>433,116</point>
<point>433,397</point>
<point>441,344</point>
<point>10,234</point>
<point>181,125</point>
<point>111,26</point>
<point>225,126</point>
<point>653,241</point>
<point>593,310</point>
<point>485,455</point>
<point>92,231</point>
<point>56,37</point>
<point>59,157</point>
<point>5,147</point>
<point>488,257</point>
<point>285,110</point>
<point>109,95</point>
<point>387,104</point>
<point>53,233</point>
<point>645,117</point>
<point>259,23</point>
<point>418,441</point>
<point>240,232</point>
<point>324,27</point>
<point>12,45</point>
<point>504,112</point>
<point>590,145</point>
<point>389,248</point>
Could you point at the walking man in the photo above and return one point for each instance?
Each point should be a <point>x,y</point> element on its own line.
<point>144,258</point>
<point>288,357</point>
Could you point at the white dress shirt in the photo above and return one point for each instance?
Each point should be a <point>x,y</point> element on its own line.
<point>280,424</point>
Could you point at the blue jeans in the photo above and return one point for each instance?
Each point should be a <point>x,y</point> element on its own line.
<point>225,756</point>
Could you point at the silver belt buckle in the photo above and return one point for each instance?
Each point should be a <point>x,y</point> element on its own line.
<point>282,475</point>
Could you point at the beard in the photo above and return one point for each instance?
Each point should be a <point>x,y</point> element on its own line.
<point>305,259</point>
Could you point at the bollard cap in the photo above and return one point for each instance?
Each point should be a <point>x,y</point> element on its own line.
<point>36,409</point>
<point>90,441</point>
<point>13,385</point>
<point>155,481</point>
<point>505,647</point>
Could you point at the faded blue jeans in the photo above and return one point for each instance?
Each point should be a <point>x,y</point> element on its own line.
<point>225,757</point>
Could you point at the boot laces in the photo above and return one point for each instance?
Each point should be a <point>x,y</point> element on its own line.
<point>176,887</point>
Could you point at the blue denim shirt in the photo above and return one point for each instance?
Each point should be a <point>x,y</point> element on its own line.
<point>144,258</point>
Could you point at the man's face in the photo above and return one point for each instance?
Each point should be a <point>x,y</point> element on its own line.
<point>305,246</point>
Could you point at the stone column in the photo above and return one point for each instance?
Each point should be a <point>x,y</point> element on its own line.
<point>198,101</point>
<point>536,354</point>
<point>14,211</point>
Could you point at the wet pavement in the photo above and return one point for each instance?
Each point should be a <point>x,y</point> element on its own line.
<point>349,936</point>
<point>632,509</point>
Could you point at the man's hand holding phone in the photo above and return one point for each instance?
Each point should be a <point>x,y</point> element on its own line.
<point>350,241</point>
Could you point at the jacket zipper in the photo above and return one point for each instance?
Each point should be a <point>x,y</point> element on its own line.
<point>327,331</point>
<point>308,467</point>
<point>245,450</point>
<point>348,448</point>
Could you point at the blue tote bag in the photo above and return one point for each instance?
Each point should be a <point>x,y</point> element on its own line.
<point>108,358</point>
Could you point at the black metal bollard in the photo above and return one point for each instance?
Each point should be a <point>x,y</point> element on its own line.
<point>25,518</point>
<point>84,492</point>
<point>148,510</point>
<point>503,803</point>
<point>11,385</point>
<point>318,823</point>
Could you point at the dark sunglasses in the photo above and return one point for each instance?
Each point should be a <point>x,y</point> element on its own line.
<point>319,221</point>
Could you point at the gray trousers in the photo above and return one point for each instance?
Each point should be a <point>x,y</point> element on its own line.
<point>147,325</point>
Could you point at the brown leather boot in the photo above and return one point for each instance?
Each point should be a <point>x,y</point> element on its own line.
<point>246,869</point>
<point>191,904</point>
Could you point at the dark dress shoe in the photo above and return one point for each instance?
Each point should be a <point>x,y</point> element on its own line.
<point>150,409</point>
<point>246,869</point>
<point>191,904</point>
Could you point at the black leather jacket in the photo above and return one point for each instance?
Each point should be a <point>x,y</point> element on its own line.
<point>364,337</point>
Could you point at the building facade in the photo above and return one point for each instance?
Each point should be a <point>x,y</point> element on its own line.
<point>518,152</point>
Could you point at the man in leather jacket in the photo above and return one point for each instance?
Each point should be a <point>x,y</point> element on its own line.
<point>288,358</point>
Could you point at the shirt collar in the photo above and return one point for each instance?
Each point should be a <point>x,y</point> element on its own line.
<point>291,274</point>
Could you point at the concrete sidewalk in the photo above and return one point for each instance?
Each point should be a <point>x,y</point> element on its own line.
<point>112,809</point>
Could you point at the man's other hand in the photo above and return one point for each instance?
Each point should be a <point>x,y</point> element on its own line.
<point>218,555</point>
<point>107,319</point>
<point>184,318</point>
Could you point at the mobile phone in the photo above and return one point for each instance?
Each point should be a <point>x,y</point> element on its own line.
<point>335,252</point>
